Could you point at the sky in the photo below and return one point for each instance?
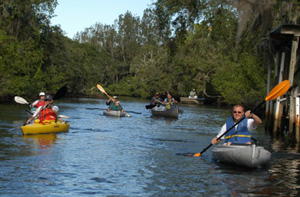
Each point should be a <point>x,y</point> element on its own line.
<point>75,15</point>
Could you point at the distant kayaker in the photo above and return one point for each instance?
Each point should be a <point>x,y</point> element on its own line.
<point>240,134</point>
<point>40,102</point>
<point>156,100</point>
<point>169,101</point>
<point>193,94</point>
<point>45,113</point>
<point>114,104</point>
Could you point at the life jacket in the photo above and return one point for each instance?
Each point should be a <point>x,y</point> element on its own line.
<point>40,103</point>
<point>239,134</point>
<point>47,114</point>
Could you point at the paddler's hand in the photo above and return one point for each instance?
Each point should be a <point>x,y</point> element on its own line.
<point>248,114</point>
<point>215,141</point>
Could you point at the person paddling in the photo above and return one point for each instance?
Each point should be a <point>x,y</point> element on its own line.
<point>169,101</point>
<point>40,102</point>
<point>45,113</point>
<point>114,104</point>
<point>240,134</point>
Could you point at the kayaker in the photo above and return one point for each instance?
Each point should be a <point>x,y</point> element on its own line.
<point>193,94</point>
<point>114,104</point>
<point>45,113</point>
<point>156,100</point>
<point>40,102</point>
<point>169,101</point>
<point>240,134</point>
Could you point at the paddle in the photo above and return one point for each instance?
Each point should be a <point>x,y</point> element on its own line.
<point>59,94</point>
<point>150,106</point>
<point>104,92</point>
<point>20,100</point>
<point>279,90</point>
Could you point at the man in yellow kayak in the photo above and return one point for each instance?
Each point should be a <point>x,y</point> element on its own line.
<point>240,134</point>
<point>45,113</point>
<point>40,102</point>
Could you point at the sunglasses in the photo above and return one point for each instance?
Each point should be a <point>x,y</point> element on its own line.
<point>237,112</point>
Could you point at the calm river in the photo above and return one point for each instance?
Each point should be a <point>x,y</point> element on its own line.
<point>133,156</point>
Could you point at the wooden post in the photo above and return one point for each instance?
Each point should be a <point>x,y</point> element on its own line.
<point>298,116</point>
<point>268,104</point>
<point>268,84</point>
<point>278,106</point>
<point>293,61</point>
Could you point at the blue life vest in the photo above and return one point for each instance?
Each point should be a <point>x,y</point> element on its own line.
<point>239,134</point>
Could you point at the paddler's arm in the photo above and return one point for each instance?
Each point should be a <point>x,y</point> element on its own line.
<point>214,140</point>
<point>36,113</point>
<point>256,119</point>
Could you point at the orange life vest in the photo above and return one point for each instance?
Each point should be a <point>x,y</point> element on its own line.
<point>47,114</point>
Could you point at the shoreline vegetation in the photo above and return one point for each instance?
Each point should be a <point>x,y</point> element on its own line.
<point>175,46</point>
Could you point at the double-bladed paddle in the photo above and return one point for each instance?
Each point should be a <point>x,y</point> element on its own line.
<point>59,94</point>
<point>279,90</point>
<point>21,100</point>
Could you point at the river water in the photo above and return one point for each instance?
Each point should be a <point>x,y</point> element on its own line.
<point>133,156</point>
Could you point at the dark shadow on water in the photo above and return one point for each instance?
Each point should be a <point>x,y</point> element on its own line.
<point>230,168</point>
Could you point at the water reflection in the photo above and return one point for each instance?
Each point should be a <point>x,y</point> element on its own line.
<point>164,119</point>
<point>40,141</point>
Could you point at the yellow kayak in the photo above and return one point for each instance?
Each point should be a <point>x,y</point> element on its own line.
<point>49,127</point>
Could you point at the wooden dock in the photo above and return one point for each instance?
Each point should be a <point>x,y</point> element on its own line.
<point>283,114</point>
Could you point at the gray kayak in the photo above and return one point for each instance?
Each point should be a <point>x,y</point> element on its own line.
<point>250,156</point>
<point>170,113</point>
<point>115,113</point>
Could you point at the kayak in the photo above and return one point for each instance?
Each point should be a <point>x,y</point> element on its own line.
<point>187,100</point>
<point>49,127</point>
<point>250,156</point>
<point>162,111</point>
<point>115,113</point>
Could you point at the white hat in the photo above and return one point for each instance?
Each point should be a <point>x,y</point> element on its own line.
<point>115,97</point>
<point>42,94</point>
<point>55,108</point>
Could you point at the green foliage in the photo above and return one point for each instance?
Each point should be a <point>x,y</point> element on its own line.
<point>240,81</point>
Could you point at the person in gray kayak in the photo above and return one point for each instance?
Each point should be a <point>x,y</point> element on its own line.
<point>114,104</point>
<point>240,134</point>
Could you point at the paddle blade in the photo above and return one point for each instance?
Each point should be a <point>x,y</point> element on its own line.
<point>101,88</point>
<point>189,154</point>
<point>63,116</point>
<point>20,100</point>
<point>197,155</point>
<point>278,90</point>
